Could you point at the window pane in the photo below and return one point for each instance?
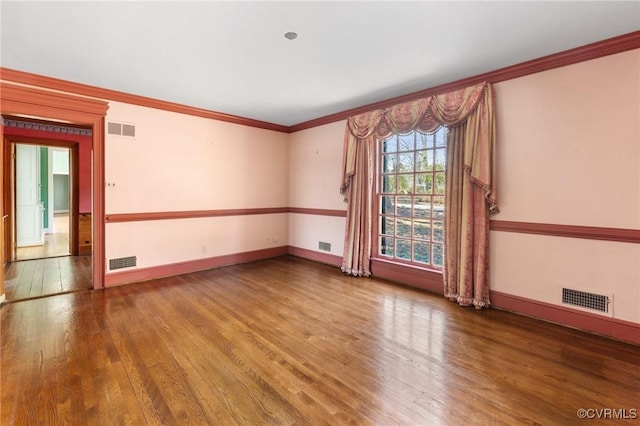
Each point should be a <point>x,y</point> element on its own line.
<point>421,229</point>
<point>421,252</point>
<point>424,183</point>
<point>438,254</point>
<point>403,227</point>
<point>430,160</point>
<point>441,158</point>
<point>403,249</point>
<point>411,201</point>
<point>403,208</point>
<point>441,137</point>
<point>439,183</point>
<point>421,207</point>
<point>386,246</point>
<point>405,184</point>
<point>406,142</point>
<point>389,184</point>
<point>387,225</point>
<point>423,141</point>
<point>387,205</point>
<point>390,145</point>
<point>438,231</point>
<point>389,163</point>
<point>422,161</point>
<point>438,208</point>
<point>406,162</point>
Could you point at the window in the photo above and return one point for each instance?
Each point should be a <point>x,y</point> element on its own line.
<point>410,198</point>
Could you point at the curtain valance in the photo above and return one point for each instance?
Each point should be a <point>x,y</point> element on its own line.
<point>451,109</point>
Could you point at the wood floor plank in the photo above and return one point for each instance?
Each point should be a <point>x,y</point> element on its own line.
<point>37,278</point>
<point>25,281</point>
<point>257,389</point>
<point>288,341</point>
<point>42,277</point>
<point>51,283</point>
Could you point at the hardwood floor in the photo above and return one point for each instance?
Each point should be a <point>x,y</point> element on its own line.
<point>27,279</point>
<point>288,341</point>
<point>55,244</point>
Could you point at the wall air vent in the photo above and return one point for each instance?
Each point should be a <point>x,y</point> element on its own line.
<point>583,299</point>
<point>121,129</point>
<point>114,128</point>
<point>122,262</point>
<point>324,246</point>
<point>129,130</point>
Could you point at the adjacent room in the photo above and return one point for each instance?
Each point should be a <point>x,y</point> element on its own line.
<point>407,213</point>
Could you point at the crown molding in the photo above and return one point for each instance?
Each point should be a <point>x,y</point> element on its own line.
<point>595,50</point>
<point>41,125</point>
<point>51,83</point>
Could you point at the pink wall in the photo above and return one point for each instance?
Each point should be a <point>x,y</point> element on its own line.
<point>315,164</point>
<point>568,153</point>
<point>84,153</point>
<point>568,144</point>
<point>315,167</point>
<point>178,162</point>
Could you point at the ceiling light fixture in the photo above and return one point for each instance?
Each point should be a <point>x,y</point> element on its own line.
<point>290,35</point>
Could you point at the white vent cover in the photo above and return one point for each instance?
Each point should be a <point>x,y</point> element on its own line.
<point>588,301</point>
<point>121,129</point>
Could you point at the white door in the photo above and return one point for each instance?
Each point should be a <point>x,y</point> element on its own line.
<point>28,207</point>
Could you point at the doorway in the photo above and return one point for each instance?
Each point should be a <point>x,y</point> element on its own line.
<point>42,199</point>
<point>55,106</point>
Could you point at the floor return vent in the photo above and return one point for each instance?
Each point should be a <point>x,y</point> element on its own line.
<point>583,299</point>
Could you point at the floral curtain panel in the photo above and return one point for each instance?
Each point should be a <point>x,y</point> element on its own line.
<point>470,197</point>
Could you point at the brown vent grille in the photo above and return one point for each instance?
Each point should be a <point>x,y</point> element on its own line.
<point>122,262</point>
<point>128,130</point>
<point>596,302</point>
<point>121,129</point>
<point>114,128</point>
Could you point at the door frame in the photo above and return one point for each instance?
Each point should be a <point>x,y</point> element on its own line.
<point>33,102</point>
<point>10,183</point>
<point>2,219</point>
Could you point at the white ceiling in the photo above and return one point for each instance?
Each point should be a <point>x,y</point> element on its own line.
<point>232,57</point>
